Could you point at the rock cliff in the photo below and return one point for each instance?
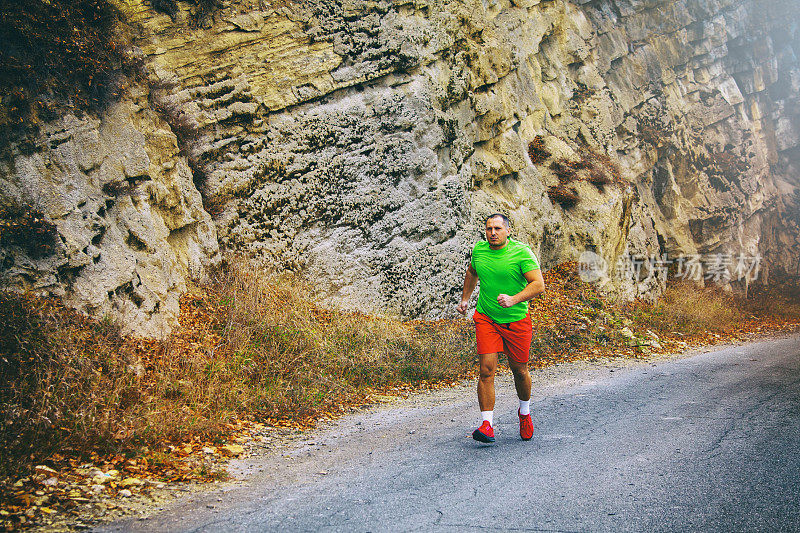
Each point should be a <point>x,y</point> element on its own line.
<point>114,224</point>
<point>361,143</point>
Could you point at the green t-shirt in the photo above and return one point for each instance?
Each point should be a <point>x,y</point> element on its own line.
<point>501,272</point>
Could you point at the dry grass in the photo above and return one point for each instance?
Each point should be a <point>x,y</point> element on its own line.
<point>689,310</point>
<point>692,310</point>
<point>54,55</point>
<point>566,171</point>
<point>66,383</point>
<point>602,169</point>
<point>247,347</point>
<point>722,167</point>
<point>599,178</point>
<point>203,11</point>
<point>781,300</point>
<point>29,229</point>
<point>566,196</point>
<point>561,322</point>
<point>655,130</point>
<point>281,340</point>
<point>728,165</point>
<point>581,93</point>
<point>537,151</point>
<point>592,166</point>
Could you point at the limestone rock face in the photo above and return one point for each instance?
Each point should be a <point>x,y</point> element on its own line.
<point>361,144</point>
<point>129,225</point>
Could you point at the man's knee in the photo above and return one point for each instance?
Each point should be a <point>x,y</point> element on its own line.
<point>488,368</point>
<point>487,372</point>
<point>518,368</point>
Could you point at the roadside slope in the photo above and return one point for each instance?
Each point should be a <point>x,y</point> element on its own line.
<point>619,445</point>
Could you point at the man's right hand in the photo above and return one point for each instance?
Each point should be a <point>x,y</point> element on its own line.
<point>462,307</point>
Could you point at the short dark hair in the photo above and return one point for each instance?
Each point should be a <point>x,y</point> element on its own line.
<point>506,221</point>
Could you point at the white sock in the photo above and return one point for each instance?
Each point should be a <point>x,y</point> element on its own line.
<point>524,407</point>
<point>487,415</point>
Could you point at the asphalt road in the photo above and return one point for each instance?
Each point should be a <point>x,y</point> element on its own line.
<point>709,442</point>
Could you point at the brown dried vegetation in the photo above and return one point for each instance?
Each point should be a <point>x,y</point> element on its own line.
<point>722,168</point>
<point>567,171</point>
<point>204,9</point>
<point>581,93</point>
<point>727,165</point>
<point>246,347</point>
<point>655,130</point>
<point>29,229</point>
<point>214,204</point>
<point>565,196</point>
<point>56,55</point>
<point>602,170</point>
<point>593,166</point>
<point>537,151</point>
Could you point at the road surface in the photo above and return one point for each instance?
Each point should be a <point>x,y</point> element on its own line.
<point>708,442</point>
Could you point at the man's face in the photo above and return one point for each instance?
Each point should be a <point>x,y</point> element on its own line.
<point>496,233</point>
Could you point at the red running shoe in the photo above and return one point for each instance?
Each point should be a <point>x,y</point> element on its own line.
<point>485,433</point>
<point>525,426</point>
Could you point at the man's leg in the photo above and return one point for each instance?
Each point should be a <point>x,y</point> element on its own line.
<point>486,381</point>
<point>522,379</point>
<point>485,433</point>
<point>522,382</point>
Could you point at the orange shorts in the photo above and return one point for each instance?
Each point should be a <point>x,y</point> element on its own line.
<point>513,339</point>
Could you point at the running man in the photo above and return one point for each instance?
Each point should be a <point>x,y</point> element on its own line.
<point>510,276</point>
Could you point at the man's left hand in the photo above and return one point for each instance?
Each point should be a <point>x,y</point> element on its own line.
<point>505,300</point>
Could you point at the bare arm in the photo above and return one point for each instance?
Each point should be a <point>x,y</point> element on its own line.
<point>535,286</point>
<point>470,281</point>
